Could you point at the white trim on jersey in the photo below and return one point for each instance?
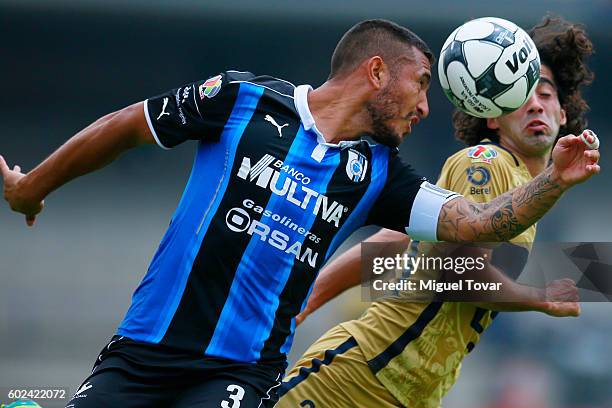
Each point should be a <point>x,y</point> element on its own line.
<point>247,72</point>
<point>282,80</point>
<point>301,105</point>
<point>146,112</point>
<point>268,396</point>
<point>318,153</point>
<point>263,86</point>
<point>195,102</point>
<point>423,224</point>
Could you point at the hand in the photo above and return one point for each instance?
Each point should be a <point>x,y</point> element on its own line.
<point>562,299</point>
<point>573,162</point>
<point>18,203</point>
<point>562,309</point>
<point>562,290</point>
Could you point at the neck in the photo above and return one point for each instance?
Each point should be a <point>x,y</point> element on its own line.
<point>338,110</point>
<point>535,164</point>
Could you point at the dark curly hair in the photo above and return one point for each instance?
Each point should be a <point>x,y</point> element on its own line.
<point>564,48</point>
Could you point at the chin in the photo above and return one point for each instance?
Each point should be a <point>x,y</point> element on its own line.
<point>540,147</point>
<point>390,140</point>
<point>544,138</point>
<point>396,141</point>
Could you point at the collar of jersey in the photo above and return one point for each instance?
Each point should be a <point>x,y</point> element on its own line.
<point>300,98</point>
<point>518,162</point>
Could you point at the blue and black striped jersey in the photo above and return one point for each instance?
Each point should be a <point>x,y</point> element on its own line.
<point>267,203</point>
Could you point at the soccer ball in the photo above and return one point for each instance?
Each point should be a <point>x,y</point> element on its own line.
<point>489,67</point>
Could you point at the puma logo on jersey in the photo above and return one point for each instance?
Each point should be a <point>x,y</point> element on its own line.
<point>278,127</point>
<point>83,388</point>
<point>163,111</point>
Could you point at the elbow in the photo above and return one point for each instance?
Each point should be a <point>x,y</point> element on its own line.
<point>463,221</point>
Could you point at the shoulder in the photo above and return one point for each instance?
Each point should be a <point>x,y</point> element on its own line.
<point>276,85</point>
<point>487,157</point>
<point>397,166</point>
<point>232,88</point>
<point>488,154</point>
<point>482,171</point>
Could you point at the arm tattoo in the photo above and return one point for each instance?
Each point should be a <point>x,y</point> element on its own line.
<point>503,218</point>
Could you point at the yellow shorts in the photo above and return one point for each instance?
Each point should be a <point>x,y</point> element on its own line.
<point>333,373</point>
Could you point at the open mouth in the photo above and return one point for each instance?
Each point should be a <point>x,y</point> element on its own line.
<point>537,126</point>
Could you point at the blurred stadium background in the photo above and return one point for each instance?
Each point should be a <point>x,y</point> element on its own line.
<point>65,284</point>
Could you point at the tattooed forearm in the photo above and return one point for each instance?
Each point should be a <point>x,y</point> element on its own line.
<point>504,222</point>
<point>501,219</point>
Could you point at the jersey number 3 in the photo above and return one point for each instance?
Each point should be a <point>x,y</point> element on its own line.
<point>236,395</point>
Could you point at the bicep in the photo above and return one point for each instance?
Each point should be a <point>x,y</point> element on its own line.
<point>116,132</point>
<point>427,209</point>
<point>477,215</point>
<point>463,220</point>
<point>133,117</point>
<point>196,111</point>
<point>459,220</point>
<point>414,210</point>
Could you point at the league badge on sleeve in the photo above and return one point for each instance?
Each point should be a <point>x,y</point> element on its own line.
<point>356,166</point>
<point>482,154</point>
<point>211,87</point>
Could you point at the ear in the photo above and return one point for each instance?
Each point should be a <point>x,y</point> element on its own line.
<point>377,72</point>
<point>492,123</point>
<point>563,118</point>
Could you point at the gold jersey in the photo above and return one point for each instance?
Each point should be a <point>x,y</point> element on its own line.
<point>415,349</point>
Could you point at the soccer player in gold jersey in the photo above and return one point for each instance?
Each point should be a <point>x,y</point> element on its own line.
<point>409,353</point>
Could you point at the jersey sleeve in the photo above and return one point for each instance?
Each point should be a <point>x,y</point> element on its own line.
<point>195,111</point>
<point>408,203</point>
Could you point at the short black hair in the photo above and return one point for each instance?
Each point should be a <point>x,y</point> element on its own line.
<point>374,37</point>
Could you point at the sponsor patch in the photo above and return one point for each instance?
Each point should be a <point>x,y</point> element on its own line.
<point>211,87</point>
<point>478,175</point>
<point>266,173</point>
<point>482,154</point>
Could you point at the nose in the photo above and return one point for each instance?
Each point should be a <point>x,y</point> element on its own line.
<point>534,104</point>
<point>422,105</point>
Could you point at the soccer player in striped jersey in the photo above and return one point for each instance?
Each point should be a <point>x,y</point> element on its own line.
<point>408,353</point>
<point>280,179</point>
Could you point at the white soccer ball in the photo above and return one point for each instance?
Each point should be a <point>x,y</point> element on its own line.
<point>488,67</point>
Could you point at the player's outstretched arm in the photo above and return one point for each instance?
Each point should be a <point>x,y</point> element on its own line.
<point>92,148</point>
<point>343,273</point>
<point>511,213</point>
<point>559,298</point>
